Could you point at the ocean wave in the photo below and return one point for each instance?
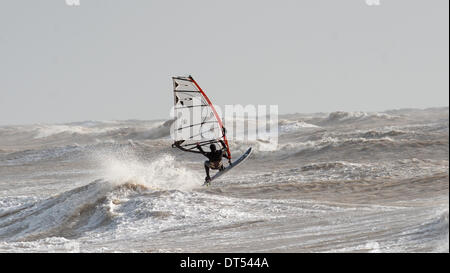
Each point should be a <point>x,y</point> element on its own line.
<point>312,145</point>
<point>329,165</point>
<point>93,206</point>
<point>434,231</point>
<point>373,142</point>
<point>84,130</point>
<point>341,116</point>
<point>287,126</point>
<point>157,130</point>
<point>163,173</point>
<point>32,155</point>
<point>46,131</point>
<point>381,134</point>
<point>64,215</point>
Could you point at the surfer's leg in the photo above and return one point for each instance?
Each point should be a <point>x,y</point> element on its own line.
<point>207,168</point>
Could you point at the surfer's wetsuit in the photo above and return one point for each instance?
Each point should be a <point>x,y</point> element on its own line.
<point>215,159</point>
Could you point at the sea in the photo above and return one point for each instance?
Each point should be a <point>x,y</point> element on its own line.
<point>335,182</point>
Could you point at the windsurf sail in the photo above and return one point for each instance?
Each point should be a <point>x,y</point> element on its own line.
<point>196,119</point>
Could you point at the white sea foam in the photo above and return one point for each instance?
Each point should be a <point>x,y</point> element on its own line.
<point>290,126</point>
<point>123,166</point>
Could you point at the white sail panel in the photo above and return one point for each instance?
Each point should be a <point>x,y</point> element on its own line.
<point>196,120</point>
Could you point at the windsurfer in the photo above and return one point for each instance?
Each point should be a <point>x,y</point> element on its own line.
<point>215,158</point>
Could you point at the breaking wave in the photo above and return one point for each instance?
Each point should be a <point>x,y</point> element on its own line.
<point>380,143</point>
<point>163,173</point>
<point>52,133</point>
<point>289,126</point>
<point>91,207</point>
<point>340,116</point>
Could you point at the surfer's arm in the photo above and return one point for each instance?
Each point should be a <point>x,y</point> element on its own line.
<point>225,152</point>
<point>226,155</point>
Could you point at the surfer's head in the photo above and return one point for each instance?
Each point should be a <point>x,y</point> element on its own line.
<point>212,147</point>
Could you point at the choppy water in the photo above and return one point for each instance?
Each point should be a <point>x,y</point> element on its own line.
<point>338,182</point>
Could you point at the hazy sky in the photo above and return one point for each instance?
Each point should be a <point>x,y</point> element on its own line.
<point>113,59</point>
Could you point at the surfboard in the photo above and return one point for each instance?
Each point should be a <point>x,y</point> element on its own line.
<point>233,164</point>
